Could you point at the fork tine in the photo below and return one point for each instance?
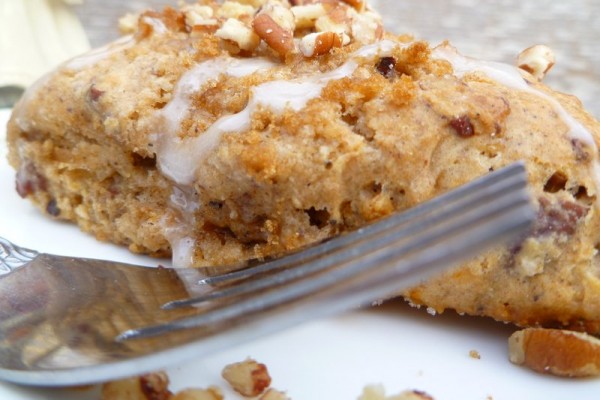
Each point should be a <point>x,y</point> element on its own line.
<point>404,257</point>
<point>496,185</point>
<point>500,177</point>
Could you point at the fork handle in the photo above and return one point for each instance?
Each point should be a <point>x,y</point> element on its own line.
<point>13,256</point>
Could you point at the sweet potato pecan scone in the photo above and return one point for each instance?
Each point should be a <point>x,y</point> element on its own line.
<point>222,132</point>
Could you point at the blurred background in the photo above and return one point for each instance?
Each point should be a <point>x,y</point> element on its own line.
<point>495,30</point>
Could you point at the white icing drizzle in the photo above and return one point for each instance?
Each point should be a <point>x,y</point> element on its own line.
<point>182,250</point>
<point>180,159</point>
<point>510,76</point>
<point>96,55</point>
<point>190,83</point>
<point>179,233</point>
<point>176,157</point>
<point>183,200</point>
<point>158,26</point>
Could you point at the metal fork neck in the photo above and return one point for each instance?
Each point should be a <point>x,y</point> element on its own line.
<point>13,257</point>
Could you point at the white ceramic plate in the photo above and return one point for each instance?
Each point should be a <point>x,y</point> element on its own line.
<point>394,345</point>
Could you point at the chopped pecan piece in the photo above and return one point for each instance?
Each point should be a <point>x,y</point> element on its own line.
<point>249,378</point>
<point>279,39</point>
<point>555,351</point>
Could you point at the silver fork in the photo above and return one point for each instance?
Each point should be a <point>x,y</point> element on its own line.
<point>72,321</point>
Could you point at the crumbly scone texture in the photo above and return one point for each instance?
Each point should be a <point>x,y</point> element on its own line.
<point>397,131</point>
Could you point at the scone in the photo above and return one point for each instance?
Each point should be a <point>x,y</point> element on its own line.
<point>219,133</point>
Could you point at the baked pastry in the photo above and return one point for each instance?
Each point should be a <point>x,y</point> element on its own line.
<point>218,133</point>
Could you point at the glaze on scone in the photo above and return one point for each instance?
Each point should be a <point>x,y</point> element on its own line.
<point>203,137</point>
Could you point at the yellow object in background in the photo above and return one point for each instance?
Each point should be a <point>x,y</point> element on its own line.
<point>35,36</point>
